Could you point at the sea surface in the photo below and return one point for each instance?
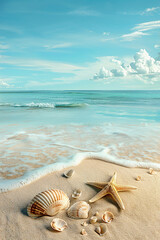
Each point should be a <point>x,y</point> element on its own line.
<point>39,128</point>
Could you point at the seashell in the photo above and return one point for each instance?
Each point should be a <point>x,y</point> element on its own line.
<point>69,173</point>
<point>83,232</point>
<point>93,219</point>
<point>151,171</point>
<point>84,224</point>
<point>48,203</point>
<point>101,230</point>
<point>107,217</point>
<point>138,178</point>
<point>58,224</point>
<point>96,213</point>
<point>77,193</point>
<point>79,210</point>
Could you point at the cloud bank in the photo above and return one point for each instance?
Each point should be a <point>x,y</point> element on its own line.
<point>143,67</point>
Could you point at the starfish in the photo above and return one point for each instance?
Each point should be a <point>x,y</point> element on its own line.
<point>111,188</point>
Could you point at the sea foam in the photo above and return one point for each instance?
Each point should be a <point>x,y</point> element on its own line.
<point>7,185</point>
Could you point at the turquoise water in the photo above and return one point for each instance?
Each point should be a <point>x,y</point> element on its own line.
<point>58,107</point>
<point>42,127</point>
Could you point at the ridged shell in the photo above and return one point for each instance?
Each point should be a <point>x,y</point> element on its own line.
<point>48,203</point>
<point>79,210</point>
<point>107,217</point>
<point>58,224</point>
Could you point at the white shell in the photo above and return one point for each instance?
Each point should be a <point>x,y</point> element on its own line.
<point>77,193</point>
<point>79,210</point>
<point>107,217</point>
<point>84,224</point>
<point>83,232</point>
<point>69,173</point>
<point>101,230</point>
<point>93,219</point>
<point>48,203</point>
<point>58,224</point>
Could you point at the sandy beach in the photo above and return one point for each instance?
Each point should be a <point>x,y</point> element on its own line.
<point>139,220</point>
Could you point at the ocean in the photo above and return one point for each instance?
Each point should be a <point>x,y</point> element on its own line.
<point>42,130</point>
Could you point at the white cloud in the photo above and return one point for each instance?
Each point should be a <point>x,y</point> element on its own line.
<point>61,45</point>
<point>3,46</point>
<point>138,31</point>
<point>156,46</point>
<point>150,10</point>
<point>147,26</point>
<point>143,67</point>
<point>132,36</point>
<point>3,82</point>
<point>84,12</point>
<point>40,65</point>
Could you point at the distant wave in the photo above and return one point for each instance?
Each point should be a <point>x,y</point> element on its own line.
<point>45,105</point>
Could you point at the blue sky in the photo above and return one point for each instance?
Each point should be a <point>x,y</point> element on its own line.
<point>87,44</point>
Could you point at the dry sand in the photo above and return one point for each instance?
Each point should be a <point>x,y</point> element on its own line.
<point>140,220</point>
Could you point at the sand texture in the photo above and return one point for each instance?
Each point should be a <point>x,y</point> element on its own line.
<point>140,220</point>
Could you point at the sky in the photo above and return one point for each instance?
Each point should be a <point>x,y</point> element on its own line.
<point>78,45</point>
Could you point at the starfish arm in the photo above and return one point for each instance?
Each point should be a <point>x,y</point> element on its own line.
<point>113,179</point>
<point>99,195</point>
<point>123,188</point>
<point>116,197</point>
<point>97,184</point>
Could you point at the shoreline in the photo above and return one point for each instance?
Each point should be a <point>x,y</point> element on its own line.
<point>28,178</point>
<point>140,219</point>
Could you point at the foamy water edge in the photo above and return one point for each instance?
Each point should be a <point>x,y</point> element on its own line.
<point>27,178</point>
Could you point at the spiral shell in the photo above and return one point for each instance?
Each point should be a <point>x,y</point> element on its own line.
<point>58,224</point>
<point>48,203</point>
<point>79,210</point>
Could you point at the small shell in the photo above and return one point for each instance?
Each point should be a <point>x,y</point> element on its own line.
<point>84,224</point>
<point>101,230</point>
<point>96,213</point>
<point>69,173</point>
<point>79,210</point>
<point>151,171</point>
<point>83,232</point>
<point>77,193</point>
<point>58,224</point>
<point>93,219</point>
<point>138,178</point>
<point>107,217</point>
<point>48,203</point>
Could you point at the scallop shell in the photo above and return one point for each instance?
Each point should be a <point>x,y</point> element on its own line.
<point>58,224</point>
<point>101,230</point>
<point>48,203</point>
<point>77,193</point>
<point>69,173</point>
<point>93,219</point>
<point>107,217</point>
<point>79,210</point>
